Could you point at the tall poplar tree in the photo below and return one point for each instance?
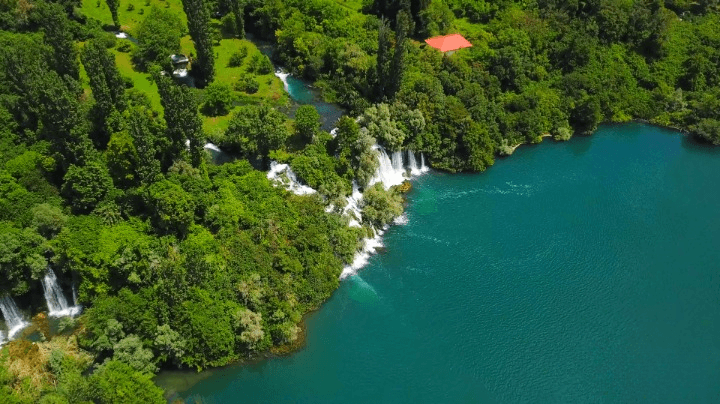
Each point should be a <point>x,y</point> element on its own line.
<point>403,28</point>
<point>182,119</point>
<point>383,58</point>
<point>113,5</point>
<point>59,36</point>
<point>198,18</point>
<point>238,10</point>
<point>107,88</point>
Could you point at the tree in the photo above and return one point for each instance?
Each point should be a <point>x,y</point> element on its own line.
<point>130,350</point>
<point>48,220</point>
<point>383,59</point>
<point>365,160</point>
<point>86,186</point>
<point>218,99</point>
<point>182,119</point>
<point>113,5</point>
<point>122,158</point>
<point>172,208</point>
<point>58,35</point>
<point>158,37</point>
<point>380,206</point>
<point>118,383</point>
<point>403,28</point>
<point>107,88</point>
<point>238,10</point>
<point>307,122</point>
<point>198,18</point>
<point>254,131</point>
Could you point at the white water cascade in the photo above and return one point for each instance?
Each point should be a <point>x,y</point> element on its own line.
<point>3,340</point>
<point>13,317</point>
<point>283,77</point>
<point>391,171</point>
<point>282,174</point>
<point>56,302</point>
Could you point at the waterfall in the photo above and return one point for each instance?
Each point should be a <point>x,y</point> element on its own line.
<point>74,294</point>
<point>412,163</point>
<point>210,146</point>
<point>283,77</point>
<point>56,302</point>
<point>352,209</point>
<point>11,314</point>
<point>3,340</point>
<point>284,175</point>
<point>389,172</point>
<point>423,167</point>
<point>397,161</point>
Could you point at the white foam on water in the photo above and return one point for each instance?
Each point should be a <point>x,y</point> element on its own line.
<point>121,35</point>
<point>283,175</point>
<point>283,77</point>
<point>210,146</point>
<point>362,257</point>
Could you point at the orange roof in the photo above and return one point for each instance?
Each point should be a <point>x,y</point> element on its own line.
<point>448,43</point>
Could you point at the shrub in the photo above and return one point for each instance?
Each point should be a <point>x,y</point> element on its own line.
<point>261,64</point>
<point>218,99</point>
<point>124,46</point>
<point>237,58</point>
<point>130,7</point>
<point>247,84</point>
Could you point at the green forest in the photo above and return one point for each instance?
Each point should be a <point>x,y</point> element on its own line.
<point>181,262</point>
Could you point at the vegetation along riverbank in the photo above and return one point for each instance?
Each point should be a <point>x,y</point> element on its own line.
<point>179,262</point>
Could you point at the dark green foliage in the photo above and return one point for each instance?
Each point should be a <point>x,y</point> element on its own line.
<point>158,37</point>
<point>307,122</point>
<point>218,99</point>
<point>238,13</point>
<point>182,119</point>
<point>260,64</point>
<point>108,89</point>
<point>118,383</point>
<point>113,5</point>
<point>59,36</point>
<point>198,17</point>
<point>86,186</point>
<point>238,57</point>
<point>247,83</point>
<point>254,131</point>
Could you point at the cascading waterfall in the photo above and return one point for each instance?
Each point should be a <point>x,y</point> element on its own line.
<point>391,171</point>
<point>283,77</point>
<point>3,340</point>
<point>56,302</point>
<point>412,163</point>
<point>13,317</point>
<point>284,175</point>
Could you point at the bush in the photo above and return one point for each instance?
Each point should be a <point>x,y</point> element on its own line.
<point>130,7</point>
<point>227,24</point>
<point>261,64</point>
<point>218,99</point>
<point>247,84</point>
<point>238,57</point>
<point>124,46</point>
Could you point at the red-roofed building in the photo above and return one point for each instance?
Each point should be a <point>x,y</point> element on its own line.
<point>448,43</point>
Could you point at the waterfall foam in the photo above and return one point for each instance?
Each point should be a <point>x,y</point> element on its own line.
<point>423,167</point>
<point>283,77</point>
<point>210,146</point>
<point>391,171</point>
<point>282,174</point>
<point>13,317</point>
<point>54,297</point>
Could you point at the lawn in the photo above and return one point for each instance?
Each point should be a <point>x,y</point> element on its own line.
<point>131,13</point>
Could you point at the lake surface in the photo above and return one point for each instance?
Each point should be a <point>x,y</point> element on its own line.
<point>585,271</point>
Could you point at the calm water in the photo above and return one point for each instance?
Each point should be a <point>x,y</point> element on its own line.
<point>586,271</point>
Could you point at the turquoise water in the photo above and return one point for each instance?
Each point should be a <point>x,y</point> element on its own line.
<point>585,271</point>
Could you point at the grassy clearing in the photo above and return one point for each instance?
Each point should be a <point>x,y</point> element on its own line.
<point>270,90</point>
<point>130,12</point>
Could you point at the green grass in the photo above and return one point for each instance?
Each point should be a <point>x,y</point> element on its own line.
<point>129,20</point>
<point>271,88</point>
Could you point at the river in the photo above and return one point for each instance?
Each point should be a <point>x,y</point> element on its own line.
<point>584,271</point>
